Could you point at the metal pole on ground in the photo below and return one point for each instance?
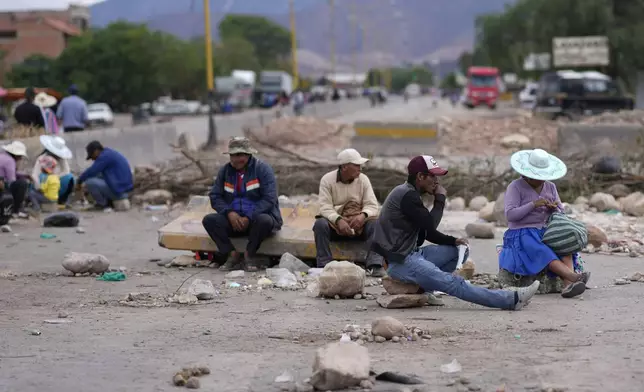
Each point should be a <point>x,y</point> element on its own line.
<point>210,82</point>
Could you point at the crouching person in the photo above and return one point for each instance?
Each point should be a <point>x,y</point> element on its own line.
<point>348,209</point>
<point>245,198</point>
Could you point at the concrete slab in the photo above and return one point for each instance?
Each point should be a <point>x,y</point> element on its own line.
<point>599,139</point>
<point>296,236</point>
<point>396,129</point>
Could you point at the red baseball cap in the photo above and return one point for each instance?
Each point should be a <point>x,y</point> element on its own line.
<point>425,164</point>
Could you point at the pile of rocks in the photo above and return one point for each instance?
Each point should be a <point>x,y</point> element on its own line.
<point>385,329</point>
<point>496,136</point>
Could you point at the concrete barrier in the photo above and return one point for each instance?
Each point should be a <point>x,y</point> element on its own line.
<point>394,138</point>
<point>141,145</point>
<point>296,236</point>
<point>599,139</point>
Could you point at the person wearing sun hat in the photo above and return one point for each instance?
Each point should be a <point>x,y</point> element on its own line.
<point>405,224</point>
<point>47,192</point>
<point>55,147</point>
<point>529,203</point>
<point>45,101</point>
<point>13,185</point>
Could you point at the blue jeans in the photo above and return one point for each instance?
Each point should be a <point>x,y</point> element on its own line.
<point>431,268</point>
<point>101,192</point>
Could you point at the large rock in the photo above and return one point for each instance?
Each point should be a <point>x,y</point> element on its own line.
<point>80,263</point>
<point>499,211</point>
<point>581,200</point>
<point>282,277</point>
<point>618,190</point>
<point>156,196</point>
<point>480,230</point>
<point>394,287</point>
<point>340,365</point>
<point>457,204</point>
<point>603,202</point>
<point>341,278</point>
<point>515,140</point>
<point>477,203</point>
<point>202,289</point>
<point>596,236</point>
<point>487,212</point>
<point>293,264</point>
<point>401,301</point>
<point>634,204</point>
<point>387,327</point>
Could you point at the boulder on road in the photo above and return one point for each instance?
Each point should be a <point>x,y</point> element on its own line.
<point>282,277</point>
<point>394,287</point>
<point>515,140</point>
<point>481,230</point>
<point>457,204</point>
<point>80,263</point>
<point>487,212</point>
<point>156,196</point>
<point>634,204</point>
<point>596,236</point>
<point>293,264</point>
<point>341,278</point>
<point>604,202</point>
<point>580,200</point>
<point>340,365</point>
<point>202,289</point>
<point>478,202</point>
<point>387,327</point>
<point>402,301</point>
<point>618,190</point>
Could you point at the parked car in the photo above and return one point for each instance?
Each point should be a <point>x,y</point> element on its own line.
<point>528,96</point>
<point>100,113</point>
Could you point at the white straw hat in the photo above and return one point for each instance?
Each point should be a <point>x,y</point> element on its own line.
<point>538,165</point>
<point>16,148</point>
<point>45,100</point>
<point>56,145</point>
<point>351,155</point>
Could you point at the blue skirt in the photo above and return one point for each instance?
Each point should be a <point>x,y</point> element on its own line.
<point>524,253</point>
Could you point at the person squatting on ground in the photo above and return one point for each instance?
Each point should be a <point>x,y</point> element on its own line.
<point>348,210</point>
<point>14,185</point>
<point>109,179</point>
<point>245,198</point>
<point>55,147</point>
<point>529,203</point>
<point>405,223</point>
<point>49,184</point>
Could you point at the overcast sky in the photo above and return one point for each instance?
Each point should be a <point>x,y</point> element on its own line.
<point>13,5</point>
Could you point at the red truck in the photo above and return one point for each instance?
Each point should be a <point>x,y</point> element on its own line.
<point>482,87</point>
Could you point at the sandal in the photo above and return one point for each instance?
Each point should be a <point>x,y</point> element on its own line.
<point>232,263</point>
<point>574,289</point>
<point>249,264</point>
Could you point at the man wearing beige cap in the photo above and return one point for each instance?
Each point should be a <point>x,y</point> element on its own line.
<point>348,209</point>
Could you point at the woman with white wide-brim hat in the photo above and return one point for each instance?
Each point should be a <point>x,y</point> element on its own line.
<point>45,102</point>
<point>56,147</point>
<point>529,202</point>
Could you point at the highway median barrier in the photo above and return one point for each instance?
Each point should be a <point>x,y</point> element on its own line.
<point>394,138</point>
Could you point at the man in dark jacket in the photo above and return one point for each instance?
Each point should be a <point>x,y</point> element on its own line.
<point>403,226</point>
<point>245,198</point>
<point>28,113</point>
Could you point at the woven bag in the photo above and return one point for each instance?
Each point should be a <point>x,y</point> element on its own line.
<point>565,235</point>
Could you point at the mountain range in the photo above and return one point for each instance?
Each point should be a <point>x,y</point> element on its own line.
<point>385,32</point>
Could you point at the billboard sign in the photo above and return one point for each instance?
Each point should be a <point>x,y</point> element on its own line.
<point>580,51</point>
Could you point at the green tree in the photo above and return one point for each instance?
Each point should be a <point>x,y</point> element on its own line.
<point>36,70</point>
<point>465,60</point>
<point>270,40</point>
<point>235,53</point>
<point>449,82</point>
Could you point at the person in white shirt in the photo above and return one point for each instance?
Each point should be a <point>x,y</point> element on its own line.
<point>348,210</point>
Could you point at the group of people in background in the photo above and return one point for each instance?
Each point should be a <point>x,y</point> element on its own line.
<point>38,111</point>
<point>106,182</point>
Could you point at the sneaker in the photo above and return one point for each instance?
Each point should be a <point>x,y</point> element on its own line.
<point>121,205</point>
<point>433,300</point>
<point>585,277</point>
<point>376,271</point>
<point>525,294</point>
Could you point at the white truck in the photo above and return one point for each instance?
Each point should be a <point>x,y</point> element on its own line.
<point>275,82</point>
<point>249,77</point>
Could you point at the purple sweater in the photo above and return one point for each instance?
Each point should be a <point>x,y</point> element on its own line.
<point>519,204</point>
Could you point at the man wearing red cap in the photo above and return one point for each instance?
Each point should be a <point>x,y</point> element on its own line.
<point>405,223</point>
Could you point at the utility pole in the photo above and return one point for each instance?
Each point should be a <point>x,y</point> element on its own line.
<point>332,32</point>
<point>354,29</point>
<point>210,80</point>
<point>296,73</point>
